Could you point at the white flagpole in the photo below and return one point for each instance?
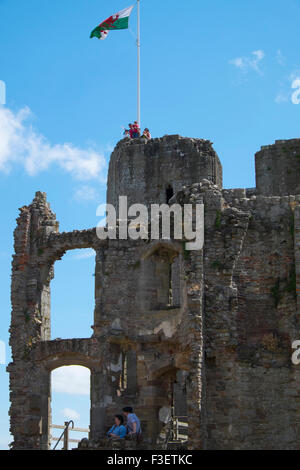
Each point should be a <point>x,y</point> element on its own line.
<point>138,42</point>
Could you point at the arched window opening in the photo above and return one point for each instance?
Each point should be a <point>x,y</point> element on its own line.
<point>161,274</point>
<point>73,294</point>
<point>124,371</point>
<point>70,401</point>
<point>169,193</point>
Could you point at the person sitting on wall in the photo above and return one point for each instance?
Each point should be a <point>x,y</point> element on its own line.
<point>133,424</point>
<point>118,431</point>
<point>126,133</point>
<point>146,134</point>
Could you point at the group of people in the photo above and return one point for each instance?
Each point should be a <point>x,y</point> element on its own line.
<point>134,132</point>
<point>132,427</point>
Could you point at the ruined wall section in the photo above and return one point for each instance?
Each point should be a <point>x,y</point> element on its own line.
<point>251,272</point>
<point>30,297</point>
<point>268,325</point>
<point>252,396</point>
<point>38,244</point>
<point>156,343</point>
<point>122,287</point>
<point>160,345</point>
<point>225,231</point>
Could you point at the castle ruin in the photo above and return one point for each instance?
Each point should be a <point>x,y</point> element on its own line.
<point>206,332</point>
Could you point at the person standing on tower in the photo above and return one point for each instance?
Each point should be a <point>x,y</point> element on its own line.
<point>136,130</point>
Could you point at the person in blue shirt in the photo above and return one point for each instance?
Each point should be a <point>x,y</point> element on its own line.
<point>133,423</point>
<point>118,431</point>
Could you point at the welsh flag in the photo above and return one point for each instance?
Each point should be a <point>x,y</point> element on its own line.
<point>118,21</point>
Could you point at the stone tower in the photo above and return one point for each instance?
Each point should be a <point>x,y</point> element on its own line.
<point>205,335</point>
<point>278,168</point>
<point>153,173</point>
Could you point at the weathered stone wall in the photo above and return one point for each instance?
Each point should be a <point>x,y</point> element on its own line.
<point>278,168</point>
<point>153,341</point>
<point>37,246</point>
<point>218,348</point>
<point>156,341</point>
<point>252,386</point>
<point>30,324</point>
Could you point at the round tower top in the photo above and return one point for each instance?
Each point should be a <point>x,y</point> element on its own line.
<point>278,168</point>
<point>150,172</point>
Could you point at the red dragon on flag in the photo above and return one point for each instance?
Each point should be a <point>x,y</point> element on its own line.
<point>118,21</point>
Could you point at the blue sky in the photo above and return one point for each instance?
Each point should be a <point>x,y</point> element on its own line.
<point>210,69</point>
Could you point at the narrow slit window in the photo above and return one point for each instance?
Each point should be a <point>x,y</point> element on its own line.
<point>169,193</point>
<point>123,375</point>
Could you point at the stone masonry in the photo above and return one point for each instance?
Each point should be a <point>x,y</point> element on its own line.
<point>206,332</point>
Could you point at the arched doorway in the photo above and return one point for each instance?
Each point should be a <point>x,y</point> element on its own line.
<point>70,401</point>
<point>173,412</point>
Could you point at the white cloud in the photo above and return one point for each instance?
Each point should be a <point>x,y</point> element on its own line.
<point>21,144</point>
<point>247,63</point>
<point>72,380</point>
<point>85,254</point>
<point>282,97</point>
<point>238,62</point>
<point>86,194</point>
<point>259,54</point>
<point>69,414</point>
<point>280,58</point>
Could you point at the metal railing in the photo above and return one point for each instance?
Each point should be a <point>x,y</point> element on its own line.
<point>65,435</point>
<point>176,431</point>
<point>180,428</point>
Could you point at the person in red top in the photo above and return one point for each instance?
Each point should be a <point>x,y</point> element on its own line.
<point>131,131</point>
<point>136,130</point>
